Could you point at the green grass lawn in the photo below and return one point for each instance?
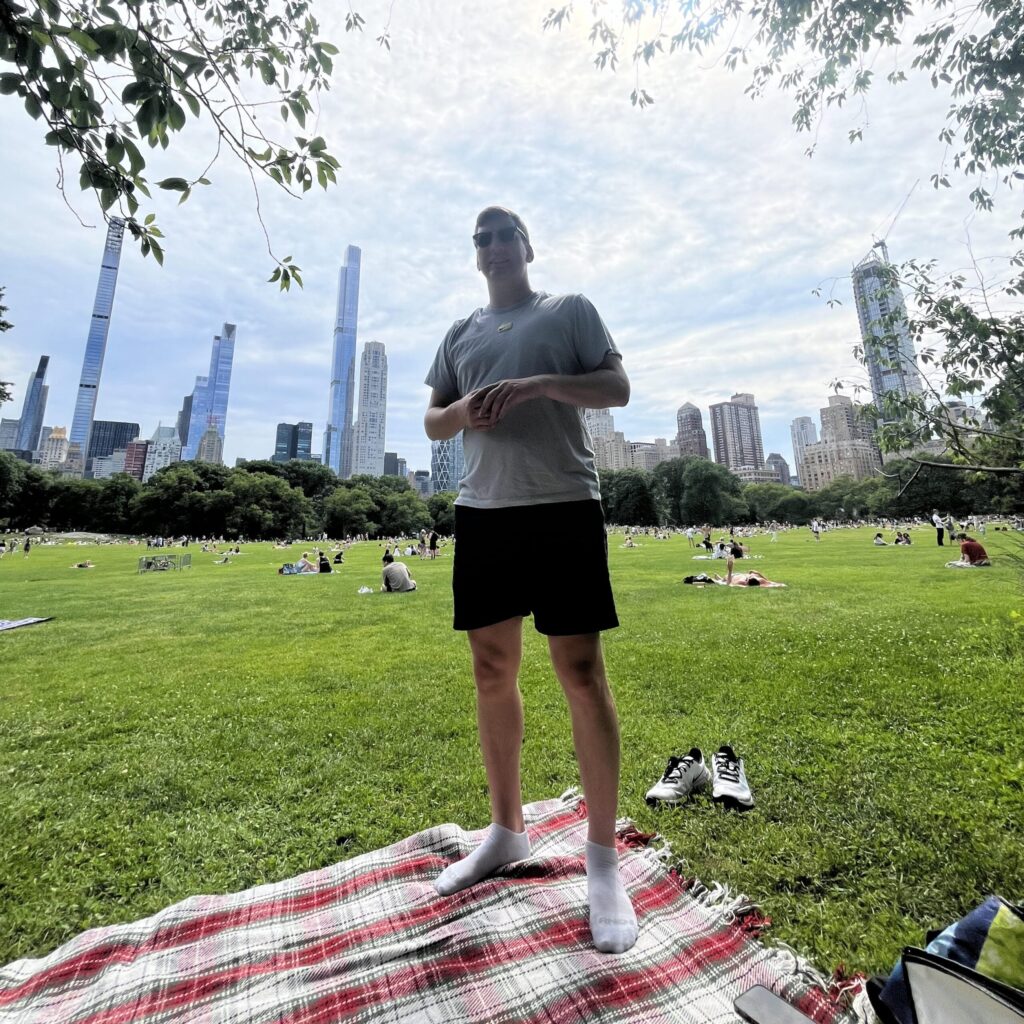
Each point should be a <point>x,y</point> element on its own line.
<point>209,730</point>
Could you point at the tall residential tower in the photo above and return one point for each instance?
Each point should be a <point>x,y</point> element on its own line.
<point>888,348</point>
<point>690,436</point>
<point>736,431</point>
<point>338,435</point>
<point>96,343</point>
<point>368,443</point>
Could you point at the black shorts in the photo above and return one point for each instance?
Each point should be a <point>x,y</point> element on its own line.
<point>550,561</point>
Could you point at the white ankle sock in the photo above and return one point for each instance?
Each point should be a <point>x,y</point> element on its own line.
<point>612,918</point>
<point>500,847</point>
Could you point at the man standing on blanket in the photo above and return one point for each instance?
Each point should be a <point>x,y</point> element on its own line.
<point>514,377</point>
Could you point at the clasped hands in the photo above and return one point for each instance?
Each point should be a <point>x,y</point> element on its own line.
<point>488,405</point>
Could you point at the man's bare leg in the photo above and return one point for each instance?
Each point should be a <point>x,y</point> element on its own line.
<point>497,652</point>
<point>579,665</point>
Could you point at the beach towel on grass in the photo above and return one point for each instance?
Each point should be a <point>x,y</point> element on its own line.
<point>369,939</point>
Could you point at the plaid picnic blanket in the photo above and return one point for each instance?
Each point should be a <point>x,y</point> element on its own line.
<point>370,940</point>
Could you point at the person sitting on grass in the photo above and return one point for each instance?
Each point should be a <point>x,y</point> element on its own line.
<point>324,564</point>
<point>879,541</point>
<point>972,554</point>
<point>339,558</point>
<point>395,577</point>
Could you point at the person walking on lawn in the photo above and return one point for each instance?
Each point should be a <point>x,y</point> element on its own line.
<point>514,376</point>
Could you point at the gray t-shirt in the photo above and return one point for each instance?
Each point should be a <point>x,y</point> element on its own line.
<point>540,452</point>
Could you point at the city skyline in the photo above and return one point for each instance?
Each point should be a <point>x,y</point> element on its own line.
<point>693,255</point>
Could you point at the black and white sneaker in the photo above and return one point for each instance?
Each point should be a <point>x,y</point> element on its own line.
<point>683,776</point>
<point>729,781</point>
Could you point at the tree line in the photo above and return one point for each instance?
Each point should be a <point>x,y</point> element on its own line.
<point>258,500</point>
<point>262,499</point>
<point>692,491</point>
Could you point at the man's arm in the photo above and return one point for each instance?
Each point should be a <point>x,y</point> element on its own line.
<point>603,388</point>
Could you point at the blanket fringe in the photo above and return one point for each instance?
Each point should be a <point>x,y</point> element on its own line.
<point>738,909</point>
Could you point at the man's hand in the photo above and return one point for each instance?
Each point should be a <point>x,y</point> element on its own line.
<point>489,405</point>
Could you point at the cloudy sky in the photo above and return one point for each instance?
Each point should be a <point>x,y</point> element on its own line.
<point>697,226</point>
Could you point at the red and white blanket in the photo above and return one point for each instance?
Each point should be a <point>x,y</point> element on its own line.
<point>370,940</point>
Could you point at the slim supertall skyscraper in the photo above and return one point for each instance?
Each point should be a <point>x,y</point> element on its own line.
<point>209,406</point>
<point>33,409</point>
<point>338,435</point>
<point>884,330</point>
<point>368,450</point>
<point>96,343</point>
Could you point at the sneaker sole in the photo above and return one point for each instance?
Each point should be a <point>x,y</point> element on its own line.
<point>730,803</point>
<point>697,787</point>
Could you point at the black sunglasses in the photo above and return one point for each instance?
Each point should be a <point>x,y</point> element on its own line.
<point>482,239</point>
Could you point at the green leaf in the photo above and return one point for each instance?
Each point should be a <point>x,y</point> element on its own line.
<point>146,116</point>
<point>296,109</point>
<point>158,253</point>
<point>173,184</point>
<point>150,217</point>
<point>184,196</point>
<point>193,103</point>
<point>9,83</point>
<point>85,41</point>
<point>175,115</point>
<point>317,146</point>
<point>108,197</point>
<point>135,92</point>
<point>327,47</point>
<point>135,159</point>
<point>267,72</point>
<point>32,106</point>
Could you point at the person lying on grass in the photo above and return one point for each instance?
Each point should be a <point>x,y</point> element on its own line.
<point>84,565</point>
<point>747,579</point>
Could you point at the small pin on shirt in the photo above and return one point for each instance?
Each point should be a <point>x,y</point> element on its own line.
<point>507,326</point>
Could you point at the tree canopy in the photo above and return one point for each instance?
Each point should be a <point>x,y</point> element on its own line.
<point>108,78</point>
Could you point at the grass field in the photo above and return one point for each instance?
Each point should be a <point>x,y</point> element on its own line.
<point>209,730</point>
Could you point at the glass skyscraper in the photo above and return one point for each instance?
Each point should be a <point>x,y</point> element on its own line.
<point>33,409</point>
<point>109,436</point>
<point>210,395</point>
<point>294,441</point>
<point>888,347</point>
<point>96,343</point>
<point>338,435</point>
<point>447,463</point>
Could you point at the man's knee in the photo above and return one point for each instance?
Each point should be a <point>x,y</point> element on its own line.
<point>580,669</point>
<point>495,662</point>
